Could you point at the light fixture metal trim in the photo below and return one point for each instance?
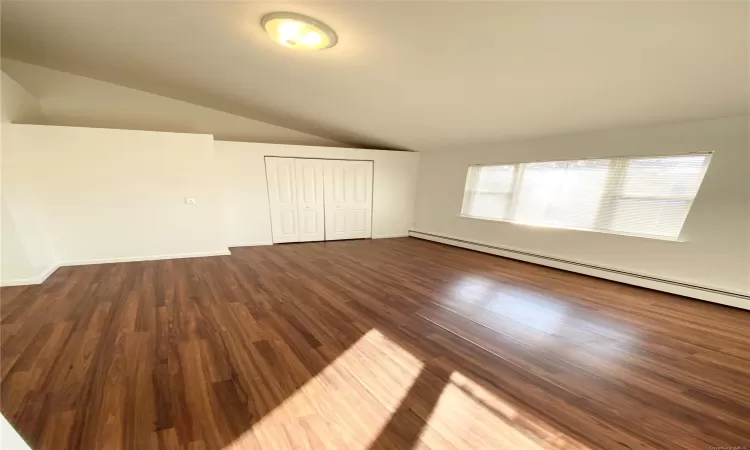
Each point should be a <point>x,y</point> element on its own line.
<point>307,20</point>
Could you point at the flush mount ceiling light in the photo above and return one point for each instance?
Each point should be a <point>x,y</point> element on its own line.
<point>298,32</point>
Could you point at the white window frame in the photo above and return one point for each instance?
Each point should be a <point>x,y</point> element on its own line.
<point>469,191</point>
<point>613,191</point>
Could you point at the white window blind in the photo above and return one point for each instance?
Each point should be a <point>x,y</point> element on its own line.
<point>639,196</point>
<point>491,191</point>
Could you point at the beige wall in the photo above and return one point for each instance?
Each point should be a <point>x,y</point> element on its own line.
<point>73,100</point>
<point>716,251</point>
<point>26,252</point>
<point>9,437</point>
<point>105,195</point>
<point>18,104</point>
<point>245,193</point>
<point>111,195</point>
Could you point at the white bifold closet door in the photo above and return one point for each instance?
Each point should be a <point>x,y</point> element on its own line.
<point>310,200</point>
<point>282,195</point>
<point>348,188</point>
<point>316,200</point>
<point>295,193</point>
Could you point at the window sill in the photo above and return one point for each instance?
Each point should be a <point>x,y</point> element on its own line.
<point>553,227</point>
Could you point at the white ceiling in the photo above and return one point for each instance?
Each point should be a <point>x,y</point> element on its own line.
<point>410,75</point>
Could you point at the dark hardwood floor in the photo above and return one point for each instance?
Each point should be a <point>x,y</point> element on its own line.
<point>393,343</point>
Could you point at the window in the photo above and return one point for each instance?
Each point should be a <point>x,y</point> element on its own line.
<point>489,191</point>
<point>639,196</point>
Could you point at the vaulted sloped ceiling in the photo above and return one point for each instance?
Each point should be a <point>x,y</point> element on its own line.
<point>73,100</point>
<point>409,75</point>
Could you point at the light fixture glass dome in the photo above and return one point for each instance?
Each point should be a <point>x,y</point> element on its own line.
<point>298,32</point>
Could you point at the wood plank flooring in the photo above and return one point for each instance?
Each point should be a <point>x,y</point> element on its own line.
<point>392,343</point>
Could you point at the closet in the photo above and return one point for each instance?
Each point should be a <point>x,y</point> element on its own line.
<point>319,199</point>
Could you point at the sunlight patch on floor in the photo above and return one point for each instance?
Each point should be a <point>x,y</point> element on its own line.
<point>467,416</point>
<point>345,406</point>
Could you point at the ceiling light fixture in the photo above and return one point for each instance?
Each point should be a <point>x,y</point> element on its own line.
<point>298,32</point>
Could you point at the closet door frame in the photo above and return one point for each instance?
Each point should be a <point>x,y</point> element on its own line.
<point>325,209</point>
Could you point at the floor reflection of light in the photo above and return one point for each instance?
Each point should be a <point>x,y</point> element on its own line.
<point>472,289</point>
<point>346,405</point>
<point>468,416</point>
<point>522,305</point>
<point>571,334</point>
<point>542,314</point>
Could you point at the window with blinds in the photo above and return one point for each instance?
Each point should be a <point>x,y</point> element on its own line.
<point>638,196</point>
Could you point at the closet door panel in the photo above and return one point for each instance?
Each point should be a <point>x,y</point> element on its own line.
<point>310,199</point>
<point>282,195</point>
<point>348,187</point>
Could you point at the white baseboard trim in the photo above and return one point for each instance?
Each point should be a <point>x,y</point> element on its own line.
<point>251,244</point>
<point>145,258</point>
<point>388,236</point>
<point>42,277</point>
<point>375,236</point>
<point>735,299</point>
<point>39,279</point>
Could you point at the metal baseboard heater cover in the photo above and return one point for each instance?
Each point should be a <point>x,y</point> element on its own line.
<point>418,234</point>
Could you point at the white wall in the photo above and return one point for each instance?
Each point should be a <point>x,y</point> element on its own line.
<point>113,195</point>
<point>716,251</point>
<point>72,100</point>
<point>26,252</point>
<point>18,104</point>
<point>116,195</point>
<point>14,262</point>
<point>245,193</point>
<point>9,438</point>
